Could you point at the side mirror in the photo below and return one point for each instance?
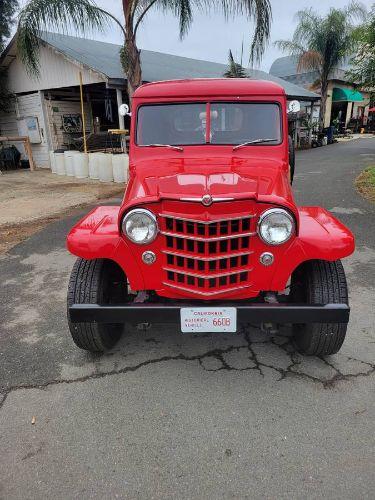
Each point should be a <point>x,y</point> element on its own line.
<point>294,106</point>
<point>123,110</point>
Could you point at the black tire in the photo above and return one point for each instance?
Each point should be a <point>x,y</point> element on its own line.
<point>97,281</point>
<point>292,158</point>
<point>319,282</point>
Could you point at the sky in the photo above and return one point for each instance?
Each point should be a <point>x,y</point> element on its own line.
<point>211,37</point>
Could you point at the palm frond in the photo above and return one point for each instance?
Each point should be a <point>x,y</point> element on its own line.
<point>231,58</point>
<point>291,47</point>
<point>182,9</point>
<point>5,95</point>
<point>8,10</point>
<point>260,12</point>
<point>307,16</point>
<point>308,23</point>
<point>310,60</point>
<point>235,70</point>
<point>140,9</point>
<point>356,11</point>
<point>316,84</point>
<point>362,64</point>
<point>78,16</point>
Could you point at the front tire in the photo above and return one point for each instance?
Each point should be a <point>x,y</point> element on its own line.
<point>319,282</point>
<point>96,281</point>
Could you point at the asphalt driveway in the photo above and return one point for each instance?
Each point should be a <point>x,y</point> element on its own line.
<point>171,416</point>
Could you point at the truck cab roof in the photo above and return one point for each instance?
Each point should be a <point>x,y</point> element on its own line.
<point>209,87</point>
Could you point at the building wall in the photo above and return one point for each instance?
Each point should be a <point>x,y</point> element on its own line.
<point>55,112</point>
<point>327,115</point>
<point>21,107</point>
<point>49,119</point>
<point>8,122</point>
<point>56,71</point>
<point>352,108</point>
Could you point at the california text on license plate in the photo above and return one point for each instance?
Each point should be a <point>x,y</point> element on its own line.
<point>208,319</point>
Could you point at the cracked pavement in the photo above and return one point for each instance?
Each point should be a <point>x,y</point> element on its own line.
<point>166,415</point>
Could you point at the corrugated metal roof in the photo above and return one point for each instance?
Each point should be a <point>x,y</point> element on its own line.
<point>287,66</point>
<point>291,90</point>
<point>100,56</point>
<point>284,66</point>
<point>156,66</point>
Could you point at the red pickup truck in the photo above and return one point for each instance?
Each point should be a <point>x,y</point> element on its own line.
<point>208,236</point>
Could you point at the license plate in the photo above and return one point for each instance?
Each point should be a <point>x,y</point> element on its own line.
<point>208,319</point>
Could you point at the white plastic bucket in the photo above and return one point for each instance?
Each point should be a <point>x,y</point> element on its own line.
<point>52,162</point>
<point>105,167</point>
<point>60,163</point>
<point>69,167</point>
<point>94,165</point>
<point>120,166</point>
<point>81,165</point>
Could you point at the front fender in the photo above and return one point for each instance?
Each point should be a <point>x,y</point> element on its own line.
<point>321,237</point>
<point>97,236</point>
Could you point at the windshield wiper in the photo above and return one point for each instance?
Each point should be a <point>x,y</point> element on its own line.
<point>176,148</point>
<point>255,141</point>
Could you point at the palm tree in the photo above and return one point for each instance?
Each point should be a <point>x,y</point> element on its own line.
<point>362,67</point>
<point>235,70</point>
<point>320,43</point>
<point>85,15</point>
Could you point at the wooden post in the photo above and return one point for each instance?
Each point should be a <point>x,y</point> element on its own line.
<point>29,153</point>
<point>83,113</point>
<point>311,122</point>
<point>121,119</point>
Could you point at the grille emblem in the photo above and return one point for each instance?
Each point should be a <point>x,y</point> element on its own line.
<point>207,200</point>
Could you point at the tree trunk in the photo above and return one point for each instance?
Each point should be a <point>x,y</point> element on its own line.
<point>133,70</point>
<point>130,55</point>
<point>323,103</point>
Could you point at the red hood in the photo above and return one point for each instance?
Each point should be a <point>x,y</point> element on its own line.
<point>237,178</point>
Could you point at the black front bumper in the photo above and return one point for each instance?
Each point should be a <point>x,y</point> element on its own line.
<point>246,313</point>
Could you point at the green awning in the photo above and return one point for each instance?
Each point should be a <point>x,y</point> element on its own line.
<point>340,94</point>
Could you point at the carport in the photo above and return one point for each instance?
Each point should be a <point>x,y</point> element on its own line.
<point>52,102</point>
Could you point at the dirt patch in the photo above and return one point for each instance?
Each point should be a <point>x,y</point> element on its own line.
<point>365,184</point>
<point>14,234</point>
<point>31,200</point>
<point>30,196</point>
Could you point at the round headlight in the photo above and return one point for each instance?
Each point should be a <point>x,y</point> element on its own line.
<point>275,226</point>
<point>140,226</point>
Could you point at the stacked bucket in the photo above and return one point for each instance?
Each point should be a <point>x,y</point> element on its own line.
<point>104,167</point>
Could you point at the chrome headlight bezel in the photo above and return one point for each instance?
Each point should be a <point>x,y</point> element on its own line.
<point>147,213</point>
<point>272,211</point>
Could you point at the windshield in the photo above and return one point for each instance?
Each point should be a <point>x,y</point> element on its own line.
<point>217,123</point>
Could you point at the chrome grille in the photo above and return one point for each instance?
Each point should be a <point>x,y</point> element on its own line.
<point>207,258</point>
